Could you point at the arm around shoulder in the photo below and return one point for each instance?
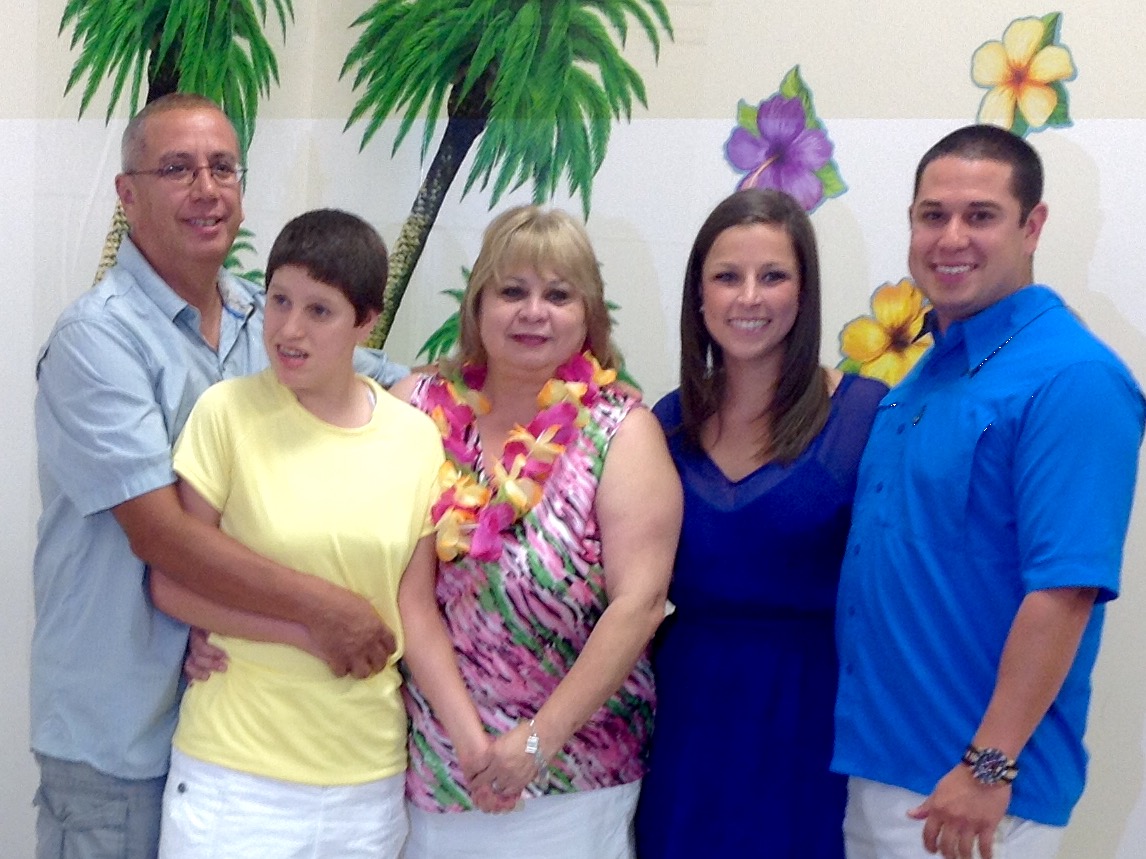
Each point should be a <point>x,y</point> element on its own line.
<point>403,389</point>
<point>375,364</point>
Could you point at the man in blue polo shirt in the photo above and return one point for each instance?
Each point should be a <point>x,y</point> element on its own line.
<point>117,378</point>
<point>987,536</point>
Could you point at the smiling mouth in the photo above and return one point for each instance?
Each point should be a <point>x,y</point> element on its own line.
<point>748,324</point>
<point>204,222</point>
<point>953,269</point>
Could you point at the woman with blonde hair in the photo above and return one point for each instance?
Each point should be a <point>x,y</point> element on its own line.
<point>557,521</point>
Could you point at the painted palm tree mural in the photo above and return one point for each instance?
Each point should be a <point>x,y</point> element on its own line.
<point>149,48</point>
<point>538,81</point>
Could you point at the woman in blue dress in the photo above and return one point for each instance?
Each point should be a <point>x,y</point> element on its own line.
<point>767,443</point>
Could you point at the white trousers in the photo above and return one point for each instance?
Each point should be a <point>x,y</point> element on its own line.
<point>876,826</point>
<point>213,812</point>
<point>591,824</point>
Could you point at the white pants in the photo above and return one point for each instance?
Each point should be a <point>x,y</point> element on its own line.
<point>876,826</point>
<point>213,812</point>
<point>591,824</point>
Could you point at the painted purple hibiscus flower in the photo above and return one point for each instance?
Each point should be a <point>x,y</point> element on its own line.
<point>785,155</point>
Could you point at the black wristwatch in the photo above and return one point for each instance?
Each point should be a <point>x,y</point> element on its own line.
<point>990,766</point>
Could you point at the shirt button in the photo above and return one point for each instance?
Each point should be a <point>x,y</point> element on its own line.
<point>879,486</point>
<point>899,429</point>
<point>856,549</point>
<point>181,787</point>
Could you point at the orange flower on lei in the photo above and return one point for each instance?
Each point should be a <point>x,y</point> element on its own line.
<point>470,514</point>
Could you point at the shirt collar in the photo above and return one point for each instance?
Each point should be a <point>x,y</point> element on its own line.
<point>148,281</point>
<point>989,329</point>
<point>165,298</point>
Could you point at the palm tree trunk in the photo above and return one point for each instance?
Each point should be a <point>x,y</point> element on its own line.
<point>115,234</point>
<point>161,80</point>
<point>461,132</point>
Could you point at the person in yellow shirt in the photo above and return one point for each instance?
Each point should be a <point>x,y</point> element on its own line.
<point>313,466</point>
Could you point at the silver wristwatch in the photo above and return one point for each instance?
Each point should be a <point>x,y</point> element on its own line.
<point>990,766</point>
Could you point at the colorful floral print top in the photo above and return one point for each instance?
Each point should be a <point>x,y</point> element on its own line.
<point>519,623</point>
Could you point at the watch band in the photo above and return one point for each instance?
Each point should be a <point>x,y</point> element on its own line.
<point>990,766</point>
<point>533,747</point>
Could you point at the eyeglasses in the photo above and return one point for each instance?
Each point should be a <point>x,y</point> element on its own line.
<point>185,174</point>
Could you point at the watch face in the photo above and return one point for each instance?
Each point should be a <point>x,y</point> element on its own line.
<point>991,767</point>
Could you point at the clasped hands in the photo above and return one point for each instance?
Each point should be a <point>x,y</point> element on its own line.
<point>500,770</point>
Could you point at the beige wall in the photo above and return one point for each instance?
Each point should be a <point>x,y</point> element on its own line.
<point>889,78</point>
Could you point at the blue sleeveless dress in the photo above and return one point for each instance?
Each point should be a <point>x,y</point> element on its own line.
<point>746,667</point>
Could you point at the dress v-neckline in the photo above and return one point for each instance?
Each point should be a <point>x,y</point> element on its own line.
<point>771,465</point>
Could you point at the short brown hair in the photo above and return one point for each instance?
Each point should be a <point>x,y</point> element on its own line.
<point>338,249</point>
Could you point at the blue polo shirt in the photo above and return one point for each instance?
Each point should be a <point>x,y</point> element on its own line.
<point>117,378</point>
<point>1004,464</point>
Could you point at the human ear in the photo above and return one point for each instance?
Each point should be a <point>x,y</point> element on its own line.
<point>366,326</point>
<point>1033,227</point>
<point>124,189</point>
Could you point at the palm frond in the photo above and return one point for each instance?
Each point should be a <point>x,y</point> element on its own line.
<point>411,57</point>
<point>637,8</point>
<point>243,245</point>
<point>590,43</point>
<point>490,33</point>
<point>217,49</point>
<point>615,15</point>
<point>445,337</point>
<point>509,93</point>
<point>436,99</point>
<point>398,64</point>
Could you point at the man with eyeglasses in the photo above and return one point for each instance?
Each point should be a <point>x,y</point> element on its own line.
<point>117,378</point>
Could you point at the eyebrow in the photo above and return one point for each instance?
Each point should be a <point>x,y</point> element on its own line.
<point>974,204</point>
<point>183,155</point>
<point>517,281</point>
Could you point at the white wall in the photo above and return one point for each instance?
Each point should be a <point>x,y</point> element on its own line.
<point>889,79</point>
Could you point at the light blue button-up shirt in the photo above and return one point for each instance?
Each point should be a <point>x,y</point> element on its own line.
<point>117,377</point>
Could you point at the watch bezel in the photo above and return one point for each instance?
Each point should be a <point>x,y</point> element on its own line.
<point>990,766</point>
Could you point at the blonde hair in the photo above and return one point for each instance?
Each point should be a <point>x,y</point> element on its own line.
<point>544,240</point>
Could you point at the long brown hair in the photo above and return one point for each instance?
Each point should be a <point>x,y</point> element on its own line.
<point>800,404</point>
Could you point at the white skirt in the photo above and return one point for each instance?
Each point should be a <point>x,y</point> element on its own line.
<point>591,824</point>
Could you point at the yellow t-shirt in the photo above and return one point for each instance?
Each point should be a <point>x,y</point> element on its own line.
<point>347,505</point>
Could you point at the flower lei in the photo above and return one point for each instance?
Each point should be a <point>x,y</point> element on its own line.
<point>469,515</point>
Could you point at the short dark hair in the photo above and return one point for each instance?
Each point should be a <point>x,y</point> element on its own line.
<point>991,143</point>
<point>338,249</point>
<point>800,403</point>
<point>132,142</point>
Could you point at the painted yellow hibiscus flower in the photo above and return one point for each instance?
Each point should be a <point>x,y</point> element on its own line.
<point>887,344</point>
<point>1021,72</point>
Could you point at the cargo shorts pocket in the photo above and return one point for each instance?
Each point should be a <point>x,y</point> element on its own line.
<point>80,824</point>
